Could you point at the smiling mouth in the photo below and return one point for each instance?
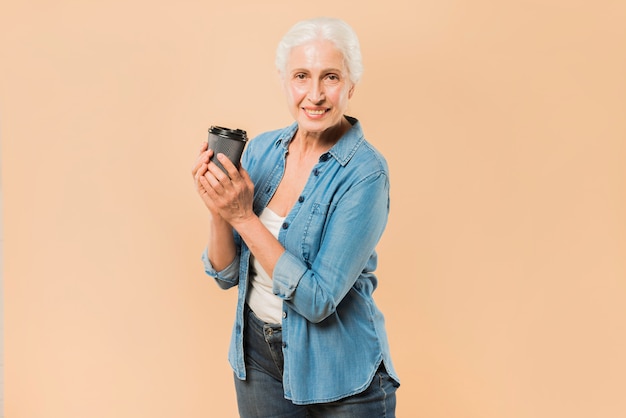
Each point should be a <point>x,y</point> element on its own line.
<point>315,112</point>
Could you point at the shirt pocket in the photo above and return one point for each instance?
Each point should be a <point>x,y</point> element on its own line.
<point>315,230</point>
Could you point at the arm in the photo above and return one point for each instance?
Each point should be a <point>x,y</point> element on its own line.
<point>232,196</point>
<point>221,249</point>
<point>351,235</point>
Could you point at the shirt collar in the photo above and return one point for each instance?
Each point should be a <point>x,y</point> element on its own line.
<point>342,151</point>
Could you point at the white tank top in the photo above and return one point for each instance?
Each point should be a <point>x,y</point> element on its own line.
<point>261,299</point>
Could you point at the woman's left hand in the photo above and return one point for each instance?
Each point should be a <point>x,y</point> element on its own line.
<point>232,194</point>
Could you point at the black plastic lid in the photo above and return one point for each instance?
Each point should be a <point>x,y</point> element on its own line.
<point>237,134</point>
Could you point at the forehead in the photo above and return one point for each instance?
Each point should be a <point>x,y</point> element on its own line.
<point>315,55</point>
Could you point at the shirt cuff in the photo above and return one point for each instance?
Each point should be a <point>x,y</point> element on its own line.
<point>287,274</point>
<point>229,274</point>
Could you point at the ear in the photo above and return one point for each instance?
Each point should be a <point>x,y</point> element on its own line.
<point>351,91</point>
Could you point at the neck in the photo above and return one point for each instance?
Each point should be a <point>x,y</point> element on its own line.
<point>320,142</point>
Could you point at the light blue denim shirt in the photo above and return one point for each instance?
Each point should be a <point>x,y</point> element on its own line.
<point>334,336</point>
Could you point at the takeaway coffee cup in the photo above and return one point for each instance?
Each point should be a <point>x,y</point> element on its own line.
<point>229,142</point>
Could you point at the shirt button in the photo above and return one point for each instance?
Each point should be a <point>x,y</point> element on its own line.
<point>316,172</point>
<point>285,225</point>
<point>301,199</point>
<point>284,344</point>
<point>284,315</point>
<point>324,157</point>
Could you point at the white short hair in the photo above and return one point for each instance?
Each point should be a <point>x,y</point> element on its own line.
<point>323,28</point>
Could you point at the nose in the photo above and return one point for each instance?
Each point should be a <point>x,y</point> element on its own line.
<point>316,92</point>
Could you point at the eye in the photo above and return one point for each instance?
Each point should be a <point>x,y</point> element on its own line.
<point>299,76</point>
<point>332,78</point>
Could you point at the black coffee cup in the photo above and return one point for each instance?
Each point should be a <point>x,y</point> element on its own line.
<point>229,142</point>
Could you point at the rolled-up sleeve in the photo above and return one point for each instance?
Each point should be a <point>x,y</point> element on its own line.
<point>225,278</point>
<point>287,274</point>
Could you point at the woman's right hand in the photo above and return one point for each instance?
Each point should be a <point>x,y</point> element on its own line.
<point>221,249</point>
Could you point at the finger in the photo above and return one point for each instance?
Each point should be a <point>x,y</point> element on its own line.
<point>244,174</point>
<point>231,170</point>
<point>200,171</point>
<point>218,173</point>
<point>216,178</point>
<point>203,158</point>
<point>198,168</point>
<point>205,153</point>
<point>207,194</point>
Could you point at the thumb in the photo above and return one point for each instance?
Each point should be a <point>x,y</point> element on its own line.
<point>244,175</point>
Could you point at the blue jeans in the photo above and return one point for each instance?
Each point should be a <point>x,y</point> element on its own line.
<point>261,394</point>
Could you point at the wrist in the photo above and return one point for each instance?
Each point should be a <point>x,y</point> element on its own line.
<point>242,221</point>
<point>217,221</point>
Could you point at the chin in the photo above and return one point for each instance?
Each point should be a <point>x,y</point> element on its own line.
<point>314,126</point>
<point>319,125</point>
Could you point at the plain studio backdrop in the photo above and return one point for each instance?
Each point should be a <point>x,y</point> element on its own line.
<point>503,267</point>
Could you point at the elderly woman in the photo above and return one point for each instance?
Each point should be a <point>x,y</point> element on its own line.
<point>295,229</point>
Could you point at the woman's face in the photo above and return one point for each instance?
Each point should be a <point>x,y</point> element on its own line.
<point>317,86</point>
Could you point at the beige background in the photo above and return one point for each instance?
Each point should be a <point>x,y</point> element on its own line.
<point>503,268</point>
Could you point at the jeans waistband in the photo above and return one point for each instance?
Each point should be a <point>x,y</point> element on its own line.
<point>257,322</point>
